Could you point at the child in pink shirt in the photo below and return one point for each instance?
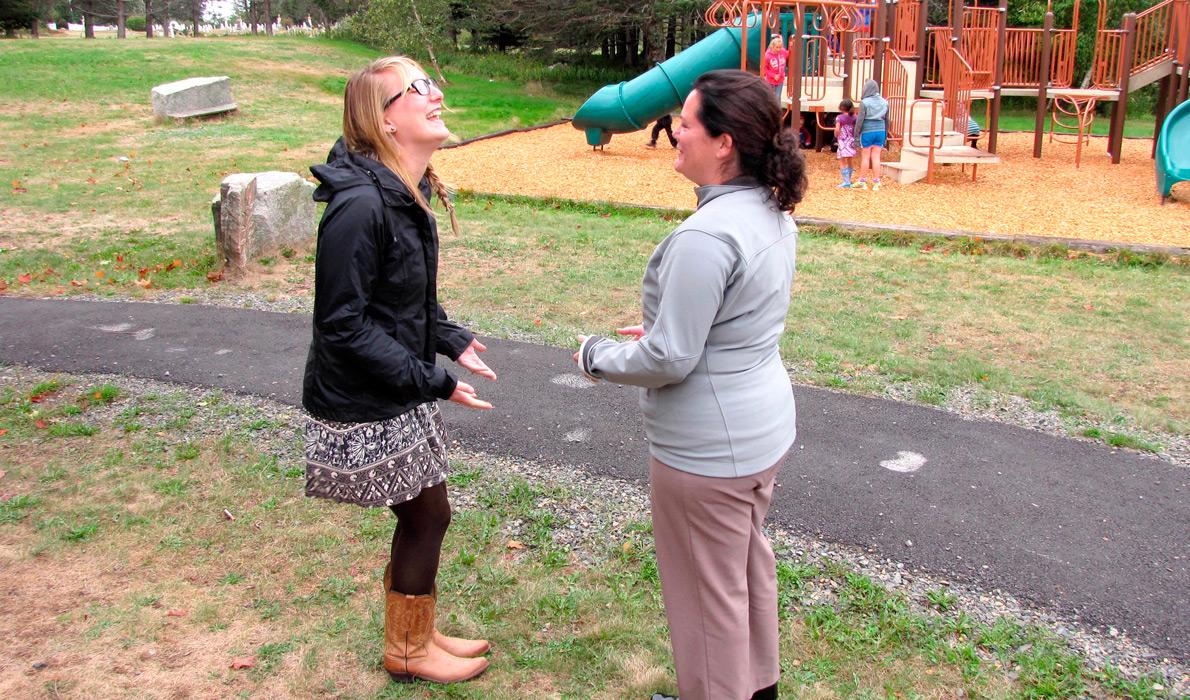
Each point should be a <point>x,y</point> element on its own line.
<point>774,66</point>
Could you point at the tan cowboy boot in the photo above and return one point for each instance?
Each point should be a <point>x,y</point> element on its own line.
<point>409,648</point>
<point>463,648</point>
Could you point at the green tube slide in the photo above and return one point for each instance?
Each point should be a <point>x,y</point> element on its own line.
<point>632,105</point>
<point>1173,150</point>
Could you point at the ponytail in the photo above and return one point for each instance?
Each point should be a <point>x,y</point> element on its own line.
<point>741,104</point>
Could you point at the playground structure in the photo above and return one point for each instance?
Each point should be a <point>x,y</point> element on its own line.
<point>931,76</point>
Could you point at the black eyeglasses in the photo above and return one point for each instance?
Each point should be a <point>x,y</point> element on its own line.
<point>421,86</point>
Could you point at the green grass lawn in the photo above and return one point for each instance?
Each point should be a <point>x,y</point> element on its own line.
<point>1017,119</point>
<point>156,537</point>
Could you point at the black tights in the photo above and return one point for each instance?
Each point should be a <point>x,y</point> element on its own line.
<point>417,540</point>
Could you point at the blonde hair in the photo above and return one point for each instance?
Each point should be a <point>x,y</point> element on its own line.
<point>363,125</point>
<point>776,41</point>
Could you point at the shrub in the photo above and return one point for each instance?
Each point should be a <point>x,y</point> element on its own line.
<point>136,23</point>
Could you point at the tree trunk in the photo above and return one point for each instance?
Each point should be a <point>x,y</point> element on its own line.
<point>429,44</point>
<point>268,17</point>
<point>195,16</point>
<point>121,29</point>
<point>671,36</point>
<point>35,29</point>
<point>166,31</point>
<point>88,19</point>
<point>148,19</point>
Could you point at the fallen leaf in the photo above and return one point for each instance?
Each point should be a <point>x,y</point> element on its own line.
<point>119,258</point>
<point>90,181</point>
<point>515,544</point>
<point>172,265</point>
<point>25,278</point>
<point>215,276</point>
<point>77,283</point>
<point>244,662</point>
<point>176,613</point>
<point>100,273</point>
<point>144,282</point>
<point>1089,307</point>
<point>3,432</point>
<point>2,472</point>
<point>3,285</point>
<point>143,272</point>
<point>40,423</point>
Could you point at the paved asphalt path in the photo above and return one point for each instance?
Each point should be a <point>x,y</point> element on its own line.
<point>1079,527</point>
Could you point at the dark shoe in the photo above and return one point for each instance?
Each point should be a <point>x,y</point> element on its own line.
<point>769,693</point>
<point>659,696</point>
<point>673,143</point>
<point>651,144</point>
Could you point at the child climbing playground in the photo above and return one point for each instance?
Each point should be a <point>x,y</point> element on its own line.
<point>871,124</point>
<point>775,58</point>
<point>845,141</point>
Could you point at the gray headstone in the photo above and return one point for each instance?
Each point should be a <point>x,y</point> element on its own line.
<point>256,213</point>
<point>193,97</point>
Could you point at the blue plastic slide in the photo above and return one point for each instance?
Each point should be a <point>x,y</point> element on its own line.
<point>632,105</point>
<point>1173,150</point>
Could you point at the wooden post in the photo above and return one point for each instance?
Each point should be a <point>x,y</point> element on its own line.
<point>956,24</point>
<point>1043,81</point>
<point>1164,90</point>
<point>923,11</point>
<point>848,61</point>
<point>1182,91</point>
<point>1115,136</point>
<point>796,60</point>
<point>744,38</point>
<point>764,36</point>
<point>993,125</point>
<point>877,33</point>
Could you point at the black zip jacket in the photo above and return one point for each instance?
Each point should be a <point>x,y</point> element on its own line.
<point>377,322</point>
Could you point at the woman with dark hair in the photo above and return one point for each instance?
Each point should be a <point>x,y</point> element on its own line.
<point>375,437</point>
<point>718,406</point>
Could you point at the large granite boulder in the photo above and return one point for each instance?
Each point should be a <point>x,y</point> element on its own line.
<point>257,213</point>
<point>193,97</point>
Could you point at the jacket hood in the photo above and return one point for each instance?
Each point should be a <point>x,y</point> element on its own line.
<point>871,88</point>
<point>345,169</point>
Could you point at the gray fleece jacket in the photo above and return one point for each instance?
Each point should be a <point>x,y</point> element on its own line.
<point>716,397</point>
<point>872,114</point>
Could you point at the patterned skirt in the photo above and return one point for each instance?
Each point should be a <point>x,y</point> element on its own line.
<point>376,464</point>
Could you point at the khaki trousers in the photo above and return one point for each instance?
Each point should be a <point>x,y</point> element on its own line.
<point>718,580</point>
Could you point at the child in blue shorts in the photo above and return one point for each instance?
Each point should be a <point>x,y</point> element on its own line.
<point>871,126</point>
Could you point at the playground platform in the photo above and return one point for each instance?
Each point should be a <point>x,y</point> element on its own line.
<point>1022,196</point>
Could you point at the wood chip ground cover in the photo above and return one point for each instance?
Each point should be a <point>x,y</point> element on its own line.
<point>1020,196</point>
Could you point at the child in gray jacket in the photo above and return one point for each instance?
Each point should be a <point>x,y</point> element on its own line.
<point>871,128</point>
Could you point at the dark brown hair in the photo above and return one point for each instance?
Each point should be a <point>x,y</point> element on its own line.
<point>743,105</point>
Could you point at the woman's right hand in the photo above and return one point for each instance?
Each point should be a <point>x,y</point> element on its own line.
<point>464,394</point>
<point>637,332</point>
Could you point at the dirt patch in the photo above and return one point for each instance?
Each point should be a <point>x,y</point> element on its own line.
<point>1021,196</point>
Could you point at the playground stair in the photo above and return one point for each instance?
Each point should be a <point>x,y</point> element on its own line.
<point>915,160</point>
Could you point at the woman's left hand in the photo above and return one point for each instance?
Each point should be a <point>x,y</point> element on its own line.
<point>470,361</point>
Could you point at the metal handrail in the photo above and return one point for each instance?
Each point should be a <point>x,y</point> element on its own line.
<point>936,107</point>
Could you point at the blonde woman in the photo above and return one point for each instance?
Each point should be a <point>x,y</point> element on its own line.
<point>375,437</point>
